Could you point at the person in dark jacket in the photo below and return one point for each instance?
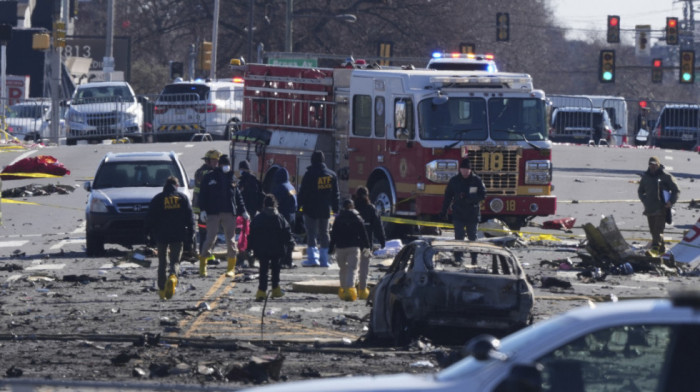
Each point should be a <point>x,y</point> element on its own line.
<point>211,160</point>
<point>318,196</point>
<point>170,223</point>
<point>658,192</point>
<point>464,193</point>
<point>270,237</point>
<point>286,197</point>
<point>373,227</point>
<point>250,188</point>
<point>348,241</point>
<point>220,202</point>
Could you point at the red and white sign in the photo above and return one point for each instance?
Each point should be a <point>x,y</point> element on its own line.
<point>17,88</point>
<point>688,250</point>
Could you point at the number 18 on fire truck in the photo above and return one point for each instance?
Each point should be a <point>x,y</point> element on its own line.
<point>402,132</point>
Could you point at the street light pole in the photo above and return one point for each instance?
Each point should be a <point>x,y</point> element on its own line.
<point>214,39</point>
<point>289,27</point>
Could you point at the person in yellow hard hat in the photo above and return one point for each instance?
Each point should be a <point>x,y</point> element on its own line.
<point>211,162</point>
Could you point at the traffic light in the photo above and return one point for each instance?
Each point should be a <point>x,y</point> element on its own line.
<point>59,34</point>
<point>177,70</point>
<point>606,70</point>
<point>687,74</point>
<point>671,31</point>
<point>467,48</point>
<point>613,29</point>
<point>204,57</point>
<point>657,73</point>
<point>643,105</point>
<point>502,26</point>
<point>384,50</point>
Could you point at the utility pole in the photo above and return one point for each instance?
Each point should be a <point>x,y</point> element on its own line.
<point>108,60</point>
<point>214,36</point>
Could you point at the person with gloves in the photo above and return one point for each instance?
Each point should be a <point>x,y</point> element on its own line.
<point>373,227</point>
<point>464,193</point>
<point>270,237</point>
<point>318,196</point>
<point>348,240</point>
<point>170,223</point>
<point>211,161</point>
<point>220,202</point>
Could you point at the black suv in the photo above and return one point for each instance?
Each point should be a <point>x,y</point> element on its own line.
<point>120,194</point>
<point>678,127</point>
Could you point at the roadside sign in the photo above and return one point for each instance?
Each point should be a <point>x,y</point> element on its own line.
<point>291,62</point>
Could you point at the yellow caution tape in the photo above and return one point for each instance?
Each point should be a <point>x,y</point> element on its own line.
<point>10,201</point>
<point>33,175</point>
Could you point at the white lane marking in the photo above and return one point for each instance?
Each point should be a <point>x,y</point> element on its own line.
<point>22,156</point>
<point>48,267</point>
<point>80,228</point>
<point>9,244</point>
<point>189,145</point>
<point>60,244</point>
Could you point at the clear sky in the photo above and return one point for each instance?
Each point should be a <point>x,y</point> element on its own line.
<point>589,17</point>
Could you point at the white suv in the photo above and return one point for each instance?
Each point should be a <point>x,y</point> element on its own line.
<point>184,109</point>
<point>104,110</point>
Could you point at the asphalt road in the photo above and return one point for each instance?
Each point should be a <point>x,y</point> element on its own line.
<point>49,290</point>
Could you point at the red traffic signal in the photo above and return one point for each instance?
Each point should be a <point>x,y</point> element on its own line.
<point>672,31</point>
<point>656,63</point>
<point>613,29</point>
<point>657,73</point>
<point>643,104</point>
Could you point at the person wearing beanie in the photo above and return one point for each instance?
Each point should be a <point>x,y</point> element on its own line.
<point>170,223</point>
<point>286,197</point>
<point>348,240</point>
<point>318,196</point>
<point>464,193</point>
<point>211,161</point>
<point>373,227</point>
<point>220,202</point>
<point>658,192</point>
<point>270,238</point>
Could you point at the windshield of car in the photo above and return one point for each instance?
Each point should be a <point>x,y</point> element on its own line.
<point>27,111</point>
<point>102,94</point>
<point>135,174</point>
<point>184,92</point>
<point>517,119</point>
<point>459,118</point>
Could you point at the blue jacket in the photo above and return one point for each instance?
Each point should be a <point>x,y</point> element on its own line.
<point>285,194</point>
<point>319,192</point>
<point>218,193</point>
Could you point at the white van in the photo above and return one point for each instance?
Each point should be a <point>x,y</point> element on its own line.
<point>185,109</point>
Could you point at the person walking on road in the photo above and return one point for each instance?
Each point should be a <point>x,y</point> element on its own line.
<point>464,193</point>
<point>211,161</point>
<point>318,196</point>
<point>220,202</point>
<point>170,223</point>
<point>373,227</point>
<point>658,192</point>
<point>270,237</point>
<point>348,241</point>
<point>286,197</point>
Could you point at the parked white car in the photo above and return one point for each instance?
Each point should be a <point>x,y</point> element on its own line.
<point>31,120</point>
<point>184,109</point>
<point>637,345</point>
<point>104,110</point>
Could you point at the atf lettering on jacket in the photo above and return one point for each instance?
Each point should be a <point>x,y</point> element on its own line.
<point>171,202</point>
<point>324,182</point>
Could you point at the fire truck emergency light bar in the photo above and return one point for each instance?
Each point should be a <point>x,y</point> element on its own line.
<point>513,82</point>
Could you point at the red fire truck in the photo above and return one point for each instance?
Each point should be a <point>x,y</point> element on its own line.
<point>402,133</point>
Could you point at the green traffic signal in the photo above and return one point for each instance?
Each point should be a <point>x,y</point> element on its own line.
<point>687,77</point>
<point>607,75</point>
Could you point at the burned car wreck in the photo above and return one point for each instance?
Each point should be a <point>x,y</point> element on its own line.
<point>425,290</point>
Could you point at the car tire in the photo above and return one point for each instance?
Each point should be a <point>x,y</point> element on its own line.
<point>380,196</point>
<point>399,327</point>
<point>94,245</point>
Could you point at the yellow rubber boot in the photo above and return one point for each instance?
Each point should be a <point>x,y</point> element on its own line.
<point>363,293</point>
<point>351,294</point>
<point>341,293</point>
<point>161,294</point>
<point>260,296</point>
<point>202,266</point>
<point>277,292</point>
<point>231,267</point>
<point>170,286</point>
